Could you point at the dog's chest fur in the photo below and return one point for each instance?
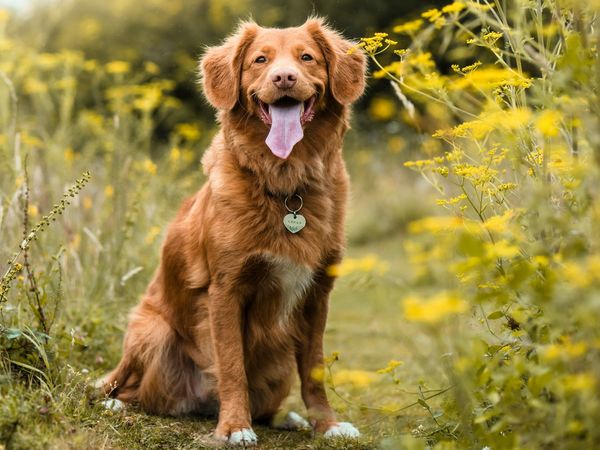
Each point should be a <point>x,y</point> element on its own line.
<point>292,280</point>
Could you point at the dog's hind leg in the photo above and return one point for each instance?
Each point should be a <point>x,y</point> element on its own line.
<point>155,371</point>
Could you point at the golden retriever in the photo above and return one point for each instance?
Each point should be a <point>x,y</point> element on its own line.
<point>240,298</point>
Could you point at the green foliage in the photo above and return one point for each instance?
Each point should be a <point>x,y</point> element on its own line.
<point>505,283</point>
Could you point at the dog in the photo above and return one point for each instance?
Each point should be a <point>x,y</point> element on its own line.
<point>240,298</point>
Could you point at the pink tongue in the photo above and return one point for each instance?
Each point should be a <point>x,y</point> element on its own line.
<point>286,129</point>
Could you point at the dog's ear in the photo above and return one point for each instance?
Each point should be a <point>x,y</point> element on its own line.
<point>346,70</point>
<point>221,67</point>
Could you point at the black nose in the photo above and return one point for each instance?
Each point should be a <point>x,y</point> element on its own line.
<point>284,78</point>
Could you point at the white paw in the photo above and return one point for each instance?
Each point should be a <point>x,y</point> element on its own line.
<point>246,436</point>
<point>113,404</point>
<point>342,430</point>
<point>294,422</point>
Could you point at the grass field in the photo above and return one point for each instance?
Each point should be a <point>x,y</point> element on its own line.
<point>365,327</point>
<point>465,312</point>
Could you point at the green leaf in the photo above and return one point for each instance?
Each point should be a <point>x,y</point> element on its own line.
<point>495,315</point>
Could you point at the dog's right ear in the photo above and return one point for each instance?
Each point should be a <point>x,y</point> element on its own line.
<point>221,67</point>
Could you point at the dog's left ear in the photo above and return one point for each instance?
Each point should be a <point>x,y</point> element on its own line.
<point>221,67</point>
<point>346,70</point>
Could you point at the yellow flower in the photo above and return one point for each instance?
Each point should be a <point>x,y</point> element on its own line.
<point>318,373</point>
<point>548,122</point>
<point>432,14</point>
<point>33,211</point>
<point>188,131</point>
<point>149,166</point>
<point>584,381</point>
<point>69,155</point>
<point>499,223</point>
<point>382,108</point>
<point>390,367</point>
<point>149,98</point>
<point>368,264</point>
<point>175,154</point>
<point>152,234</point>
<point>356,378</point>
<point>151,68</point>
<point>109,191</point>
<point>434,309</point>
<point>563,349</point>
<point>87,202</point>
<point>501,249</point>
<point>409,27</point>
<point>436,224</point>
<point>117,67</point>
<point>34,86</point>
<point>454,7</point>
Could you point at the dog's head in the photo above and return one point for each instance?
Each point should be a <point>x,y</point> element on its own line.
<point>284,77</point>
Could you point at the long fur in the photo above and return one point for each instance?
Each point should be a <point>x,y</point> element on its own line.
<point>238,303</point>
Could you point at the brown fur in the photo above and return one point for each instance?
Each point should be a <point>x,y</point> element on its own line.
<point>210,333</point>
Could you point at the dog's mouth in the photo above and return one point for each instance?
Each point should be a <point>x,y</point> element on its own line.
<point>307,108</point>
<point>286,116</point>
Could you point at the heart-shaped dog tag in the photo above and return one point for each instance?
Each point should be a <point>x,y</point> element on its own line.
<point>294,222</point>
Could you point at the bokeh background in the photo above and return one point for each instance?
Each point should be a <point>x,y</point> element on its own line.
<point>472,225</point>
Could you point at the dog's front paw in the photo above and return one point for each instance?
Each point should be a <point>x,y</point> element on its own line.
<point>342,430</point>
<point>244,437</point>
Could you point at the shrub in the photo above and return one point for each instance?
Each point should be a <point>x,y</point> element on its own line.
<point>506,279</point>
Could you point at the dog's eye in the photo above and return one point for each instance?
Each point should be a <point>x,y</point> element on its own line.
<point>260,60</point>
<point>306,57</point>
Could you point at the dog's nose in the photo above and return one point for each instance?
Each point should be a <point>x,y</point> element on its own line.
<point>284,78</point>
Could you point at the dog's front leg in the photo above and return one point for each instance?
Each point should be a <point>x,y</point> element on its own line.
<point>225,312</point>
<point>309,356</point>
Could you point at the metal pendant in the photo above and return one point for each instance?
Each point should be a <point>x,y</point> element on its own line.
<point>293,221</point>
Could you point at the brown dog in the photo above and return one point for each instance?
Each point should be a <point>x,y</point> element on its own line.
<point>240,298</point>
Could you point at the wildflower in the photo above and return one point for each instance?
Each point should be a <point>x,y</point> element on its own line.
<point>87,202</point>
<point>109,191</point>
<point>318,373</point>
<point>421,60</point>
<point>564,349</point>
<point>175,154</point>
<point>149,166</point>
<point>151,68</point>
<point>584,381</point>
<point>491,37</point>
<point>34,86</point>
<point>382,108</point>
<point>152,234</point>
<point>390,367</point>
<point>188,131</point>
<point>149,97</point>
<point>454,7</point>
<point>499,223</point>
<point>33,211</point>
<point>432,14</point>
<point>435,224</point>
<point>501,249</point>
<point>356,378</point>
<point>409,27</point>
<point>367,264</point>
<point>117,67</point>
<point>434,309</point>
<point>547,122</point>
